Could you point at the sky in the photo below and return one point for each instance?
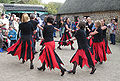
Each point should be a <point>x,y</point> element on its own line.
<point>47,1</point>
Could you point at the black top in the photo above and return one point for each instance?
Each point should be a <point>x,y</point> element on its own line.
<point>99,36</point>
<point>26,30</point>
<point>104,32</point>
<point>67,25</point>
<point>90,27</point>
<point>35,23</point>
<point>48,33</point>
<point>81,39</point>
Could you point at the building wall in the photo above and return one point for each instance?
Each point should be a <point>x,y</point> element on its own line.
<point>108,15</point>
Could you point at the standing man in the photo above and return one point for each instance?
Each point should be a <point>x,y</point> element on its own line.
<point>113,31</point>
<point>4,24</point>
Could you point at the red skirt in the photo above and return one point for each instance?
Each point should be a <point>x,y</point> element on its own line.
<point>49,56</point>
<point>99,51</point>
<point>83,57</point>
<point>107,49</point>
<point>66,36</point>
<point>22,49</point>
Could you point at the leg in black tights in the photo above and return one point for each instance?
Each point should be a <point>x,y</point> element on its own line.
<point>31,64</point>
<point>74,68</point>
<point>43,67</point>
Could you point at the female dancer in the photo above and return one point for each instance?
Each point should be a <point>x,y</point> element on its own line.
<point>48,55</point>
<point>83,56</point>
<point>23,48</point>
<point>98,45</point>
<point>89,25</point>
<point>66,36</point>
<point>104,28</point>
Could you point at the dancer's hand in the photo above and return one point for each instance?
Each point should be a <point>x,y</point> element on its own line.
<point>67,41</point>
<point>41,38</point>
<point>89,37</point>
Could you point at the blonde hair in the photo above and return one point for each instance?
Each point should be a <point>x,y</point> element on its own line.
<point>25,17</point>
<point>98,23</point>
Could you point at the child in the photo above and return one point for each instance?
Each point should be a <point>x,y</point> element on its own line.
<point>12,34</point>
<point>83,56</point>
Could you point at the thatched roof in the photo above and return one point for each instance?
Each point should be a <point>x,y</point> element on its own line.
<point>78,6</point>
<point>23,7</point>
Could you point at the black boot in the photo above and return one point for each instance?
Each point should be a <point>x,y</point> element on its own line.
<point>31,65</point>
<point>63,71</point>
<point>71,71</point>
<point>23,61</point>
<point>59,47</point>
<point>74,68</point>
<point>93,70</point>
<point>101,63</point>
<point>42,68</point>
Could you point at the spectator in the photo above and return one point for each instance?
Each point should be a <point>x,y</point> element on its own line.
<point>12,36</point>
<point>113,28</point>
<point>15,24</point>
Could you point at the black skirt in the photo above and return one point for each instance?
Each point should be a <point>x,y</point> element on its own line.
<point>23,49</point>
<point>83,57</point>
<point>49,56</point>
<point>66,36</point>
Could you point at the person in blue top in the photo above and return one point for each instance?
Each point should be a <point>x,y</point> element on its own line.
<point>12,34</point>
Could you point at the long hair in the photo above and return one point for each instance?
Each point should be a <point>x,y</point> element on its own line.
<point>25,18</point>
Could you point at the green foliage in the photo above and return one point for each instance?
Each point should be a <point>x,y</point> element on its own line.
<point>4,1</point>
<point>53,7</point>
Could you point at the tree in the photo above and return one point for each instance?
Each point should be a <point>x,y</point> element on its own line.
<point>53,7</point>
<point>4,1</point>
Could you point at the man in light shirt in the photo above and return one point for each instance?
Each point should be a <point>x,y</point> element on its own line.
<point>4,24</point>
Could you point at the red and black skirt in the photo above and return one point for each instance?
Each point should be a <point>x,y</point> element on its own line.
<point>49,56</point>
<point>99,51</point>
<point>83,57</point>
<point>66,36</point>
<point>23,49</point>
<point>107,49</point>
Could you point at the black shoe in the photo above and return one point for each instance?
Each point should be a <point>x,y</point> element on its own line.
<point>111,43</point>
<point>101,63</point>
<point>31,66</point>
<point>71,71</point>
<point>23,62</point>
<point>72,48</point>
<point>41,68</point>
<point>59,48</point>
<point>63,72</point>
<point>93,71</point>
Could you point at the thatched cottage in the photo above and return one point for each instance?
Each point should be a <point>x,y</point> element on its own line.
<point>96,9</point>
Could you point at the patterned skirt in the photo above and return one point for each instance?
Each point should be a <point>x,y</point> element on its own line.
<point>66,36</point>
<point>83,57</point>
<point>23,49</point>
<point>49,56</point>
